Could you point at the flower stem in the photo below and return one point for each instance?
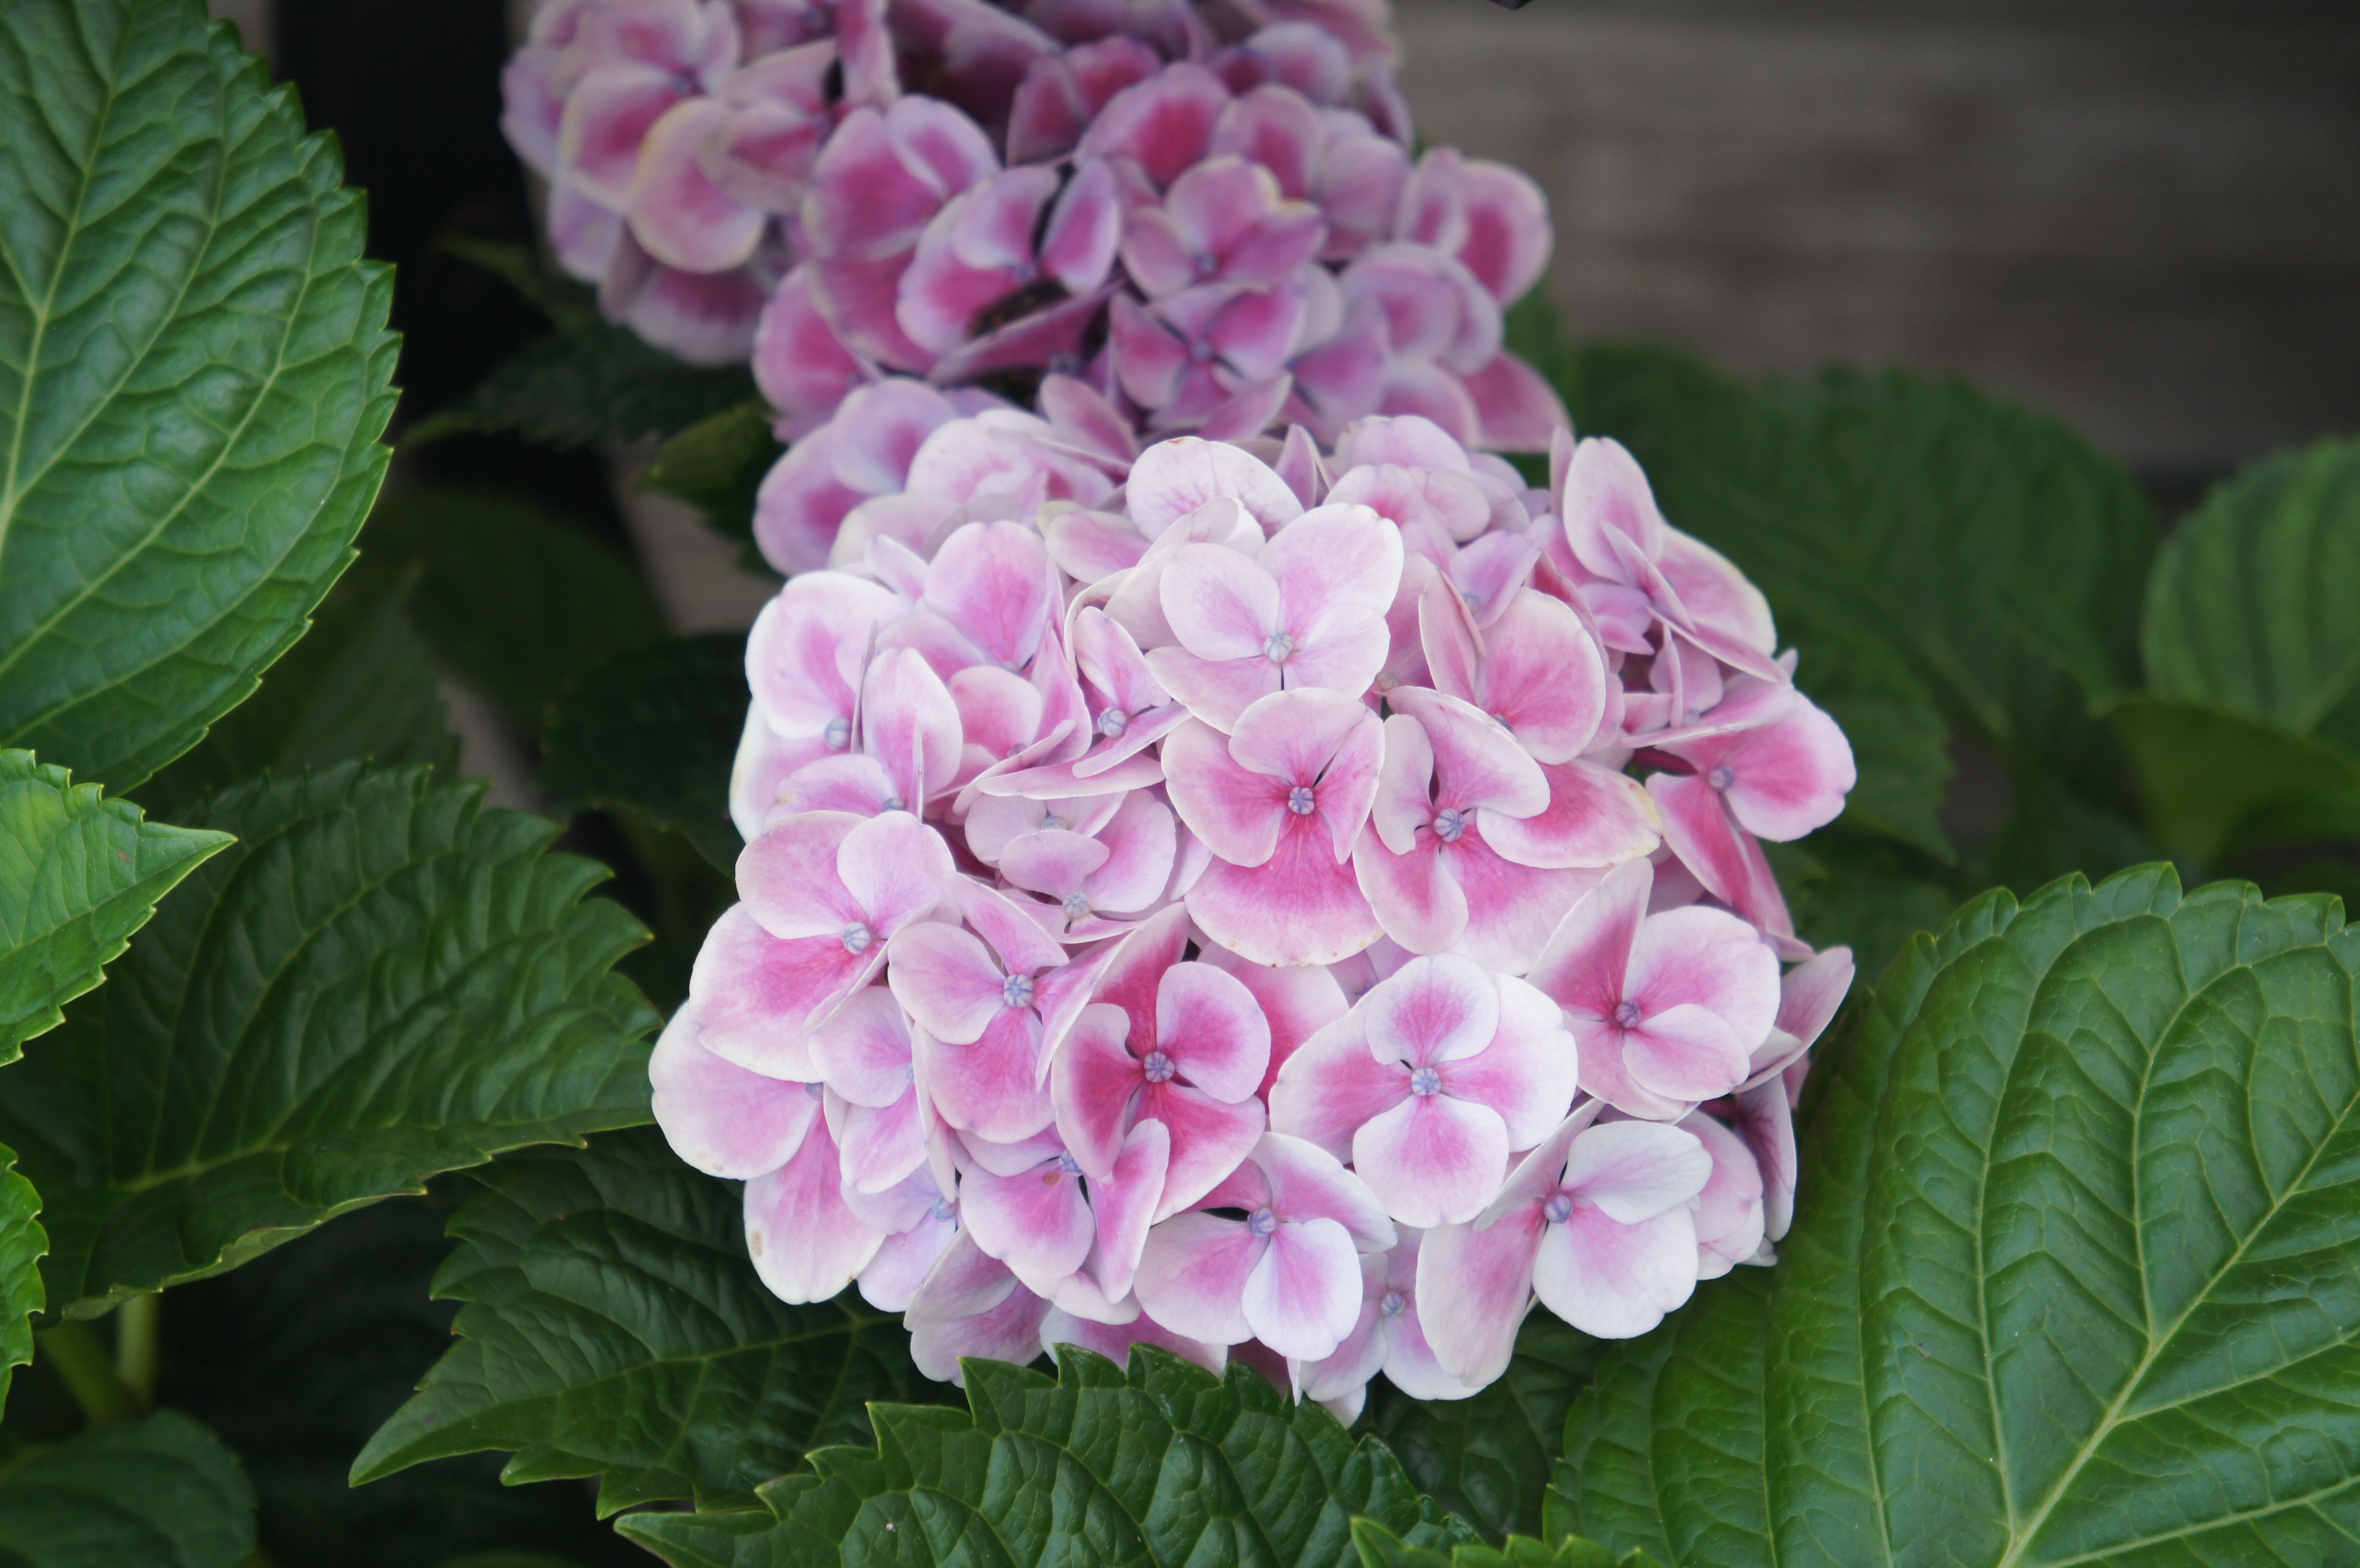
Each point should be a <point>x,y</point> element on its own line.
<point>74,1349</point>
<point>136,1324</point>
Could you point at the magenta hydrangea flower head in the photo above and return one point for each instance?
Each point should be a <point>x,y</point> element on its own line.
<point>1230,866</point>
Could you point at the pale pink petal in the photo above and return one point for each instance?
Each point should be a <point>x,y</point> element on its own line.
<point>1038,1222</point>
<point>1583,965</point>
<point>1528,1071</point>
<point>1405,799</point>
<point>1093,1084</point>
<point>880,1145</point>
<point>1192,1276</point>
<point>1332,1084</point>
<point>1414,896</point>
<point>1512,910</point>
<point>1766,1119</point>
<point>910,722</point>
<point>1011,929</point>
<point>945,978</point>
<point>1605,493</point>
<point>991,1086</point>
<point>1515,408</point>
<point>677,210</point>
<point>1054,863</point>
<point>896,867</point>
<point>1430,1011</point>
<point>1008,1330</point>
<point>1632,1170</point>
<point>1342,648</point>
<point>1297,907</point>
<point>863,1052</point>
<point>1477,763</point>
<point>995,582</point>
<point>1297,1002</point>
<point>1304,1293</point>
<point>1343,1374</point>
<point>1212,1029</point>
<point>1791,774</point>
<point>805,1243</point>
<point>1125,1203</point>
<point>1543,676</point>
<point>1236,811</point>
<point>788,877</point>
<point>1316,738</point>
<point>1337,554</point>
<point>1433,1159</point>
<point>1728,1215</point>
<point>1174,478</point>
<point>1615,1281</point>
<point>1595,817</point>
<point>1142,842</point>
<point>1685,1053</point>
<point>1220,604</point>
<point>893,1277</point>
<point>1709,958</point>
<point>1306,1181</point>
<point>1209,1139</point>
<point>720,1118</point>
<point>1474,1287</point>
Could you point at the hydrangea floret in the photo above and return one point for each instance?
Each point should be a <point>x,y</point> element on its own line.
<point>1229,865</point>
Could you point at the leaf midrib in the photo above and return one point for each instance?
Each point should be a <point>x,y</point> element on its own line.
<point>2157,1344</point>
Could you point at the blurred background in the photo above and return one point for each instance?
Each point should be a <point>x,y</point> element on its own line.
<point>2142,215</point>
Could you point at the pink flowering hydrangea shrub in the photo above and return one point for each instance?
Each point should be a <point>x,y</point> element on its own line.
<point>1278,897</point>
<point>1190,218</point>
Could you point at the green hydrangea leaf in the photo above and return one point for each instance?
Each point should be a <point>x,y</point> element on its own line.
<point>2071,1281</point>
<point>1381,1548</point>
<point>194,371</point>
<point>2250,606</point>
<point>613,1326</point>
<point>360,685</point>
<point>157,1493</point>
<point>718,465</point>
<point>1489,1459</point>
<point>511,598</point>
<point>1162,1465</point>
<point>2213,780</point>
<point>22,1243</point>
<point>79,874</point>
<point>378,982</point>
<point>655,733</point>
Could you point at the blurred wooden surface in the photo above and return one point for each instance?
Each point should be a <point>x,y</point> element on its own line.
<point>2141,214</point>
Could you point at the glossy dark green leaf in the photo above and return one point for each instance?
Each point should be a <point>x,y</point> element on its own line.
<point>360,685</point>
<point>1381,1548</point>
<point>158,1493</point>
<point>655,733</point>
<point>194,370</point>
<point>1489,1459</point>
<point>78,875</point>
<point>378,982</point>
<point>2250,609</point>
<point>1166,1465</point>
<point>513,599</point>
<point>22,1243</point>
<point>614,1327</point>
<point>2072,1275</point>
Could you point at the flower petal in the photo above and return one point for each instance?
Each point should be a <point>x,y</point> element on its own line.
<point>1615,1281</point>
<point>1474,1288</point>
<point>1303,1295</point>
<point>1213,1030</point>
<point>1192,1276</point>
<point>1433,1159</point>
<point>720,1118</point>
<point>804,1242</point>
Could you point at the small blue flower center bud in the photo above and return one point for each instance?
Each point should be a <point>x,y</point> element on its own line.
<point>1017,990</point>
<point>1501,720</point>
<point>1262,1223</point>
<point>1279,649</point>
<point>857,938</point>
<point>1722,777</point>
<point>839,734</point>
<point>1558,1209</point>
<point>1075,906</point>
<point>1425,1081</point>
<point>1053,822</point>
<point>1068,1165</point>
<point>895,803</point>
<point>1626,1014</point>
<point>1390,1307</point>
<point>1300,802</point>
<point>815,1090</point>
<point>1158,1068</point>
<point>1200,351</point>
<point>945,1210</point>
<point>1113,721</point>
<point>1449,824</point>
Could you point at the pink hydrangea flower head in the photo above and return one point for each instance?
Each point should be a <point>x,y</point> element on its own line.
<point>1668,1008</point>
<point>1596,1222</point>
<point>1435,1076</point>
<point>1280,802</point>
<point>1287,1274</point>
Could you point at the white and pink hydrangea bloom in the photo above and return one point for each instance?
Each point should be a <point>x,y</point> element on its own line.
<point>1229,865</point>
<point>1327,1007</point>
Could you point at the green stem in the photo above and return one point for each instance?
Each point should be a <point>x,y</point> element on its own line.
<point>74,1349</point>
<point>136,1345</point>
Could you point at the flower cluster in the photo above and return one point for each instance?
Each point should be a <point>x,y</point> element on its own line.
<point>1207,217</point>
<point>1256,898</point>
